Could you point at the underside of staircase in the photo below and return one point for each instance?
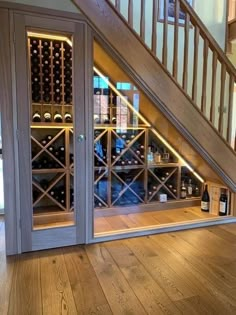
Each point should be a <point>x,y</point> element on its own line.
<point>161,89</point>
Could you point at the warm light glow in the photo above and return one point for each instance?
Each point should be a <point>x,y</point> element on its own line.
<point>121,96</point>
<point>184,163</point>
<point>177,155</point>
<point>52,126</point>
<point>50,36</point>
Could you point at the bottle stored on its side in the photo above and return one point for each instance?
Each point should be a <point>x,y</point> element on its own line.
<point>36,117</point>
<point>223,204</point>
<point>68,118</point>
<point>205,202</point>
<point>57,117</point>
<point>44,184</point>
<point>47,117</point>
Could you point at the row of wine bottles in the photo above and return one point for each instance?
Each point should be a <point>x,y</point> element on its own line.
<point>189,190</point>
<point>223,202</point>
<point>48,117</point>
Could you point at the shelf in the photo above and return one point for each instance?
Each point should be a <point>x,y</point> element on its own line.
<point>149,166</point>
<point>51,125</point>
<point>48,170</point>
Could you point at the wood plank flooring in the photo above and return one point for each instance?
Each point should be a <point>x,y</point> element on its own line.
<point>107,223</point>
<point>187,272</point>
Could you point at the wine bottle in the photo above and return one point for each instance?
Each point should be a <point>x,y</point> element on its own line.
<point>53,193</point>
<point>113,120</point>
<point>57,117</point>
<point>190,188</point>
<point>36,117</point>
<point>46,97</point>
<point>183,191</point>
<point>35,97</point>
<point>205,202</point>
<point>47,117</point>
<point>44,184</point>
<point>223,204</point>
<point>150,156</point>
<point>68,118</point>
<point>44,162</point>
<point>51,149</point>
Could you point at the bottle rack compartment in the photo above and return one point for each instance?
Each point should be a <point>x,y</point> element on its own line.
<point>52,169</point>
<point>51,70</point>
<point>51,80</point>
<point>127,172</point>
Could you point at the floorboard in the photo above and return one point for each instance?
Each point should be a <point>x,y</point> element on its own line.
<point>110,223</point>
<point>185,272</point>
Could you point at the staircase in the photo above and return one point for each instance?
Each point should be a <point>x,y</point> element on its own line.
<point>195,94</point>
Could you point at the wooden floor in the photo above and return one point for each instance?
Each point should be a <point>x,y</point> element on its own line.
<point>189,272</point>
<point>107,223</point>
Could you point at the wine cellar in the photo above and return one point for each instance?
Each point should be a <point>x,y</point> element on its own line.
<point>133,165</point>
<point>91,153</point>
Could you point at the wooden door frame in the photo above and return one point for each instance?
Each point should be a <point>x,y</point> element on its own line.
<point>16,133</point>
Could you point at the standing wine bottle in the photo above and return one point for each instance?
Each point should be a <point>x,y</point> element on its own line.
<point>183,191</point>
<point>190,188</point>
<point>223,204</point>
<point>205,202</point>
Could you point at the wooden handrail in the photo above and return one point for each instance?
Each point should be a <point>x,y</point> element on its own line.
<point>195,20</point>
<point>222,74</point>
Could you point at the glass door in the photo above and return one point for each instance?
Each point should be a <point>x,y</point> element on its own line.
<point>53,161</point>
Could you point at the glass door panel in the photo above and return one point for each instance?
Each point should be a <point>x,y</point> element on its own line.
<point>136,170</point>
<point>52,143</point>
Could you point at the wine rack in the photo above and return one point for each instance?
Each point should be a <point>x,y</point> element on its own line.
<point>132,164</point>
<point>51,77</point>
<point>52,169</point>
<point>50,65</point>
<point>126,175</point>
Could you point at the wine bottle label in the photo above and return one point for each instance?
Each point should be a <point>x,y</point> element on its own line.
<point>205,205</point>
<point>222,207</point>
<point>190,190</point>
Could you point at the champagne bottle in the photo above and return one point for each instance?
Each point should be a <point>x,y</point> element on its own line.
<point>183,191</point>
<point>223,204</point>
<point>205,202</point>
<point>36,117</point>
<point>57,117</point>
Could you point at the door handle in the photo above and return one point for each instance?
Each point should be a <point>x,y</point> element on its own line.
<point>81,138</point>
